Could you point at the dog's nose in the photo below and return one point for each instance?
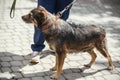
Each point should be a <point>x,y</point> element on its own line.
<point>22,17</point>
<point>26,19</point>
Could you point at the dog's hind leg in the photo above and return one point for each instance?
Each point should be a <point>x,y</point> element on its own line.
<point>102,48</point>
<point>93,57</point>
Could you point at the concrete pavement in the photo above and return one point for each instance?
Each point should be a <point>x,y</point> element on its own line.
<point>16,38</point>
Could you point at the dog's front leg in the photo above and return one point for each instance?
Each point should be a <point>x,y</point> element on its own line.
<point>60,59</point>
<point>56,63</point>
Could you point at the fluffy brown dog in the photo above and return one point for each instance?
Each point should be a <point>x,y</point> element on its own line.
<point>65,37</point>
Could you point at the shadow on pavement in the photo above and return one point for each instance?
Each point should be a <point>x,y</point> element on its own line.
<point>76,72</point>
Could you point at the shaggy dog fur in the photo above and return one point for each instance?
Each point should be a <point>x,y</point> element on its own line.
<point>65,37</point>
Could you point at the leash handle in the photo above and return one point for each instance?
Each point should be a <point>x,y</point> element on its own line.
<point>12,11</point>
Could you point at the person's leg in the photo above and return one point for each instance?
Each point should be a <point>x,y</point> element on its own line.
<point>60,5</point>
<point>38,40</point>
<point>49,5</point>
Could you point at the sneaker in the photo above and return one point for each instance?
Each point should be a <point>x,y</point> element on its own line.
<point>35,53</point>
<point>35,57</point>
<point>35,60</point>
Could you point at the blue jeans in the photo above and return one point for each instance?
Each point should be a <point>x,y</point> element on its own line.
<point>53,6</point>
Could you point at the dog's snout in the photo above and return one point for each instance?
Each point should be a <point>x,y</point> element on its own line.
<point>26,18</point>
<point>23,17</point>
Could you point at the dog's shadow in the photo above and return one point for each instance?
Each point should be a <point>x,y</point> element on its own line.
<point>69,74</point>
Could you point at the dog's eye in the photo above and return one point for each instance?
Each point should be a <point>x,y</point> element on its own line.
<point>41,14</point>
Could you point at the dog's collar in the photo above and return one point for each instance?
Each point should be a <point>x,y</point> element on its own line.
<point>42,25</point>
<point>45,27</point>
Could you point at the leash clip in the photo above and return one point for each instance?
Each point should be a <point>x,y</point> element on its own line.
<point>59,14</point>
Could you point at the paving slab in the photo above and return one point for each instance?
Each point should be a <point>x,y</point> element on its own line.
<point>16,38</point>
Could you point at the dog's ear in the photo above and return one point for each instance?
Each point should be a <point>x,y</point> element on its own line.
<point>42,11</point>
<point>41,8</point>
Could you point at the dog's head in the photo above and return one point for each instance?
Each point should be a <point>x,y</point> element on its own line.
<point>37,16</point>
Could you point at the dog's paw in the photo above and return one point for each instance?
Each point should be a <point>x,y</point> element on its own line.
<point>111,67</point>
<point>54,77</point>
